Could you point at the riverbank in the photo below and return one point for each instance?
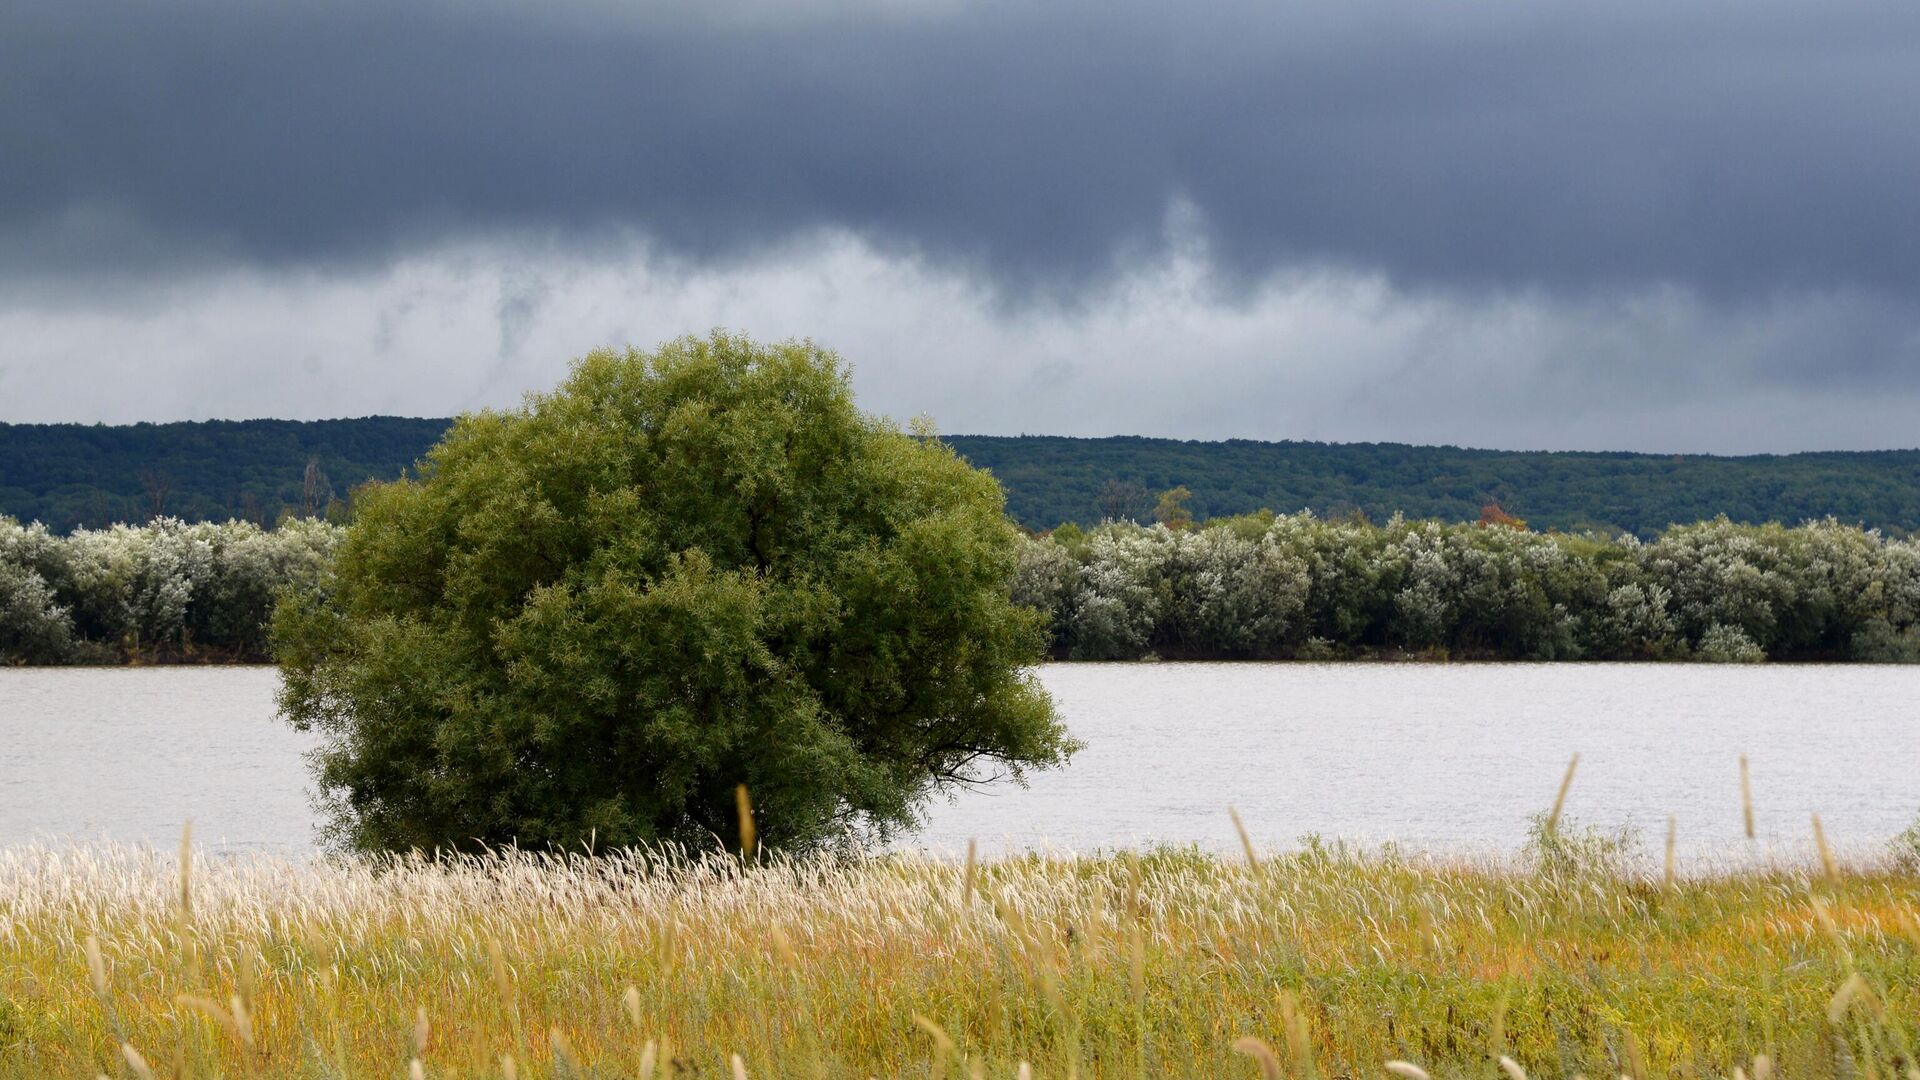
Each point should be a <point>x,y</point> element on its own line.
<point>1153,965</point>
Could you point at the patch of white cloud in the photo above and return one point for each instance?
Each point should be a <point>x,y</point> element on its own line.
<point>1160,349</point>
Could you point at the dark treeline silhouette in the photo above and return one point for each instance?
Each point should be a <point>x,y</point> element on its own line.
<point>72,475</point>
<point>1050,480</point>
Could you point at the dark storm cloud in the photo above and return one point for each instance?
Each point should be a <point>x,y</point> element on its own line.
<point>1734,149</point>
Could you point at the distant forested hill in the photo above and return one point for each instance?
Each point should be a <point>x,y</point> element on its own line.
<point>1050,479</point>
<point>69,475</point>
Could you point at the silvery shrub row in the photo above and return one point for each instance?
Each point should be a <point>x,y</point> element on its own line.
<point>165,590</point>
<point>1255,586</point>
<point>1300,586</point>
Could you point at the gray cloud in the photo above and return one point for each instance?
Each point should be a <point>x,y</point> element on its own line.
<point>1736,149</point>
<point>1163,348</point>
<point>1679,226</point>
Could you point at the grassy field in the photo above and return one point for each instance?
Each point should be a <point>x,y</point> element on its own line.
<point>1564,960</point>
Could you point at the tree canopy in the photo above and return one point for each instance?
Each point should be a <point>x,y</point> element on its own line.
<point>590,618</point>
<point>72,475</point>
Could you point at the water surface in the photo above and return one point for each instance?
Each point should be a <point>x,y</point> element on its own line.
<point>134,753</point>
<point>1450,757</point>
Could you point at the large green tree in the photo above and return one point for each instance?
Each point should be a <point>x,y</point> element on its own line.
<point>592,617</point>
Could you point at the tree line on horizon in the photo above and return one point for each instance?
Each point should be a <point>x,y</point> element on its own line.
<point>73,476</point>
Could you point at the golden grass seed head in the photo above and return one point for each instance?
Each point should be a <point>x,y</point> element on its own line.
<point>1261,1053</point>
<point>1669,872</point>
<point>1746,796</point>
<point>1246,841</point>
<point>1827,864</point>
<point>136,1062</point>
<point>1843,998</point>
<point>242,1019</point>
<point>186,871</point>
<point>1560,799</point>
<point>96,966</point>
<point>942,1043</point>
<point>743,806</point>
<point>224,1019</point>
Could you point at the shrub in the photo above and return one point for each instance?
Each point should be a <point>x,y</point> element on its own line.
<point>34,629</point>
<point>1567,849</point>
<point>1117,606</point>
<point>1904,849</point>
<point>164,590</point>
<point>1723,644</point>
<point>1295,585</point>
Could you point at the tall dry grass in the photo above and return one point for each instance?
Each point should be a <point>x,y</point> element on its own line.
<point>1319,963</point>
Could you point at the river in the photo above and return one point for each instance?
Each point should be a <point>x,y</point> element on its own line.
<point>1439,757</point>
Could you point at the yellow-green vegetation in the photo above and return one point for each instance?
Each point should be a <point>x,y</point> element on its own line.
<point>1173,963</point>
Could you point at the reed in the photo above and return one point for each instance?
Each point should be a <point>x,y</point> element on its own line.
<point>1746,797</point>
<point>1828,864</point>
<point>1560,799</point>
<point>1671,865</point>
<point>1171,962</point>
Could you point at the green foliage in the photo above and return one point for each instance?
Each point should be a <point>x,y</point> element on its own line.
<point>71,475</point>
<point>1252,586</point>
<point>165,591</point>
<point>1172,510</point>
<point>589,619</point>
<point>34,628</point>
<point>1566,849</point>
<point>1879,642</point>
<point>1053,479</point>
<point>1302,587</point>
<point>1723,644</point>
<point>1904,849</point>
<point>92,476</point>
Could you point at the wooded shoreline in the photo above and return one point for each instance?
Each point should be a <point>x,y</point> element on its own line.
<point>1289,587</point>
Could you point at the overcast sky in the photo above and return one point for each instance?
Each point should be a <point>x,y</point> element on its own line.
<point>1595,224</point>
